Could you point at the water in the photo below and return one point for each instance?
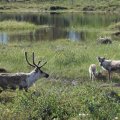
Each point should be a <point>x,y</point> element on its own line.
<point>61,26</point>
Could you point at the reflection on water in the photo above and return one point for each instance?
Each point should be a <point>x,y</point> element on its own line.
<point>76,36</point>
<point>60,26</point>
<point>3,37</point>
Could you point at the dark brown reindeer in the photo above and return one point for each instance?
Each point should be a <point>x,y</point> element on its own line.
<point>22,80</point>
<point>109,65</point>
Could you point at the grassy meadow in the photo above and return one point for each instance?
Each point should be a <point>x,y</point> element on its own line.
<point>68,94</point>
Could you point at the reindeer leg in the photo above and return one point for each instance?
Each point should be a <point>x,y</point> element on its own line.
<point>1,90</point>
<point>26,89</point>
<point>109,75</point>
<point>90,76</point>
<point>20,87</point>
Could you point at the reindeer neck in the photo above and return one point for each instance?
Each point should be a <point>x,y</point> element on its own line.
<point>32,77</point>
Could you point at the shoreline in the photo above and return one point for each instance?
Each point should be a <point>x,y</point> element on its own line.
<point>57,7</point>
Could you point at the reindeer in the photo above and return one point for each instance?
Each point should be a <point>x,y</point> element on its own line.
<point>92,71</point>
<point>96,75</point>
<point>22,80</point>
<point>109,65</point>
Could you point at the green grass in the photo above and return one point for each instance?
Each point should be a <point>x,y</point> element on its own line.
<point>62,101</point>
<point>12,25</point>
<point>57,97</point>
<point>115,26</point>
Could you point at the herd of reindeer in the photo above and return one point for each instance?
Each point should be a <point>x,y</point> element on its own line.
<point>26,80</point>
<point>107,65</point>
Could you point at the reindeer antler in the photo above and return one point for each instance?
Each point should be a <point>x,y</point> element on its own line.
<point>39,63</point>
<point>34,61</point>
<point>34,64</point>
<point>42,65</point>
<point>28,61</point>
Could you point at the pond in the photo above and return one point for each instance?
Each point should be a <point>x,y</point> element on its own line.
<point>72,26</point>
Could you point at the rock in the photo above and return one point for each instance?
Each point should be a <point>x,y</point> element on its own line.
<point>104,40</point>
<point>113,96</point>
<point>58,8</point>
<point>2,70</point>
<point>89,8</point>
<point>117,33</point>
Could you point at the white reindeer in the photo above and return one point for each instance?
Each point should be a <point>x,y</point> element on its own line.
<point>94,74</point>
<point>22,80</point>
<point>92,71</point>
<point>109,65</point>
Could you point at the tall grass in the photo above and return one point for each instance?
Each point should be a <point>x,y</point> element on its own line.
<point>16,25</point>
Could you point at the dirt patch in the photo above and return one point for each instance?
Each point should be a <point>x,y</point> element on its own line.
<point>116,33</point>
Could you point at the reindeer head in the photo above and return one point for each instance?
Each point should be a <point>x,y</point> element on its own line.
<point>37,69</point>
<point>101,60</point>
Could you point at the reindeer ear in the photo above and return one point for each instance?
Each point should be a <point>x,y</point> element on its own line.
<point>103,58</point>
